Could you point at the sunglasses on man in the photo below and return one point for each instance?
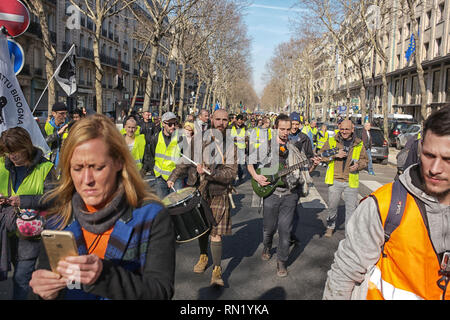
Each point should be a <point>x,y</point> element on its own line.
<point>170,124</point>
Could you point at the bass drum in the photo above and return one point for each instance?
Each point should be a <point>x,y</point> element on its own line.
<point>189,214</point>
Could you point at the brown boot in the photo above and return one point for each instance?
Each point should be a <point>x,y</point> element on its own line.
<point>266,254</point>
<point>329,233</point>
<point>216,278</point>
<point>200,267</point>
<point>281,269</point>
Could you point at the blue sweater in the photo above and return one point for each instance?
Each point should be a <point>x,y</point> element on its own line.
<point>139,261</point>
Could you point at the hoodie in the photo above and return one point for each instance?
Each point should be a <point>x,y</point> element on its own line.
<point>361,249</point>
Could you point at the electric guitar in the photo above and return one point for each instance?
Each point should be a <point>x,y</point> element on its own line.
<point>275,179</point>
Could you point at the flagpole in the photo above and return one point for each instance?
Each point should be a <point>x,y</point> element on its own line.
<point>48,83</point>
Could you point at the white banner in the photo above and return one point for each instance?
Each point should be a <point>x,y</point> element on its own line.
<point>14,109</point>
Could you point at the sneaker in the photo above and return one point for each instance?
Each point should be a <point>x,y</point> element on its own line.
<point>266,254</point>
<point>281,269</point>
<point>329,233</point>
<point>216,278</point>
<point>372,173</point>
<point>200,267</point>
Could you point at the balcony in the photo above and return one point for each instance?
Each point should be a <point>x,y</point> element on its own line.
<point>108,60</point>
<point>87,53</point>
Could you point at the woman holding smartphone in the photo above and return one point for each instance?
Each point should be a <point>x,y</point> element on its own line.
<point>25,174</point>
<point>124,235</point>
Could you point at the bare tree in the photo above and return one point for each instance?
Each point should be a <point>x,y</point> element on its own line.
<point>38,9</point>
<point>98,11</point>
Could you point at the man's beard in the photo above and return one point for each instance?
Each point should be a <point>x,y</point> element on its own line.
<point>437,195</point>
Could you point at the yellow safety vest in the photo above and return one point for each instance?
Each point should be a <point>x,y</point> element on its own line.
<point>353,178</point>
<point>240,137</point>
<point>321,140</point>
<point>33,184</point>
<point>166,157</point>
<point>138,150</point>
<point>136,133</point>
<point>258,141</point>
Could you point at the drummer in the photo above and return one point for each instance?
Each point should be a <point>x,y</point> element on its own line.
<point>215,189</point>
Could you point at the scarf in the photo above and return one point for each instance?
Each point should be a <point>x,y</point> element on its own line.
<point>102,220</point>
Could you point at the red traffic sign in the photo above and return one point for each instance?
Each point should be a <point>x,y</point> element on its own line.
<point>14,16</point>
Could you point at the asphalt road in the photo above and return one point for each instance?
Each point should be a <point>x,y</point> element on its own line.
<point>246,276</point>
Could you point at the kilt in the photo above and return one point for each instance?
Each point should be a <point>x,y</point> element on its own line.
<point>220,207</point>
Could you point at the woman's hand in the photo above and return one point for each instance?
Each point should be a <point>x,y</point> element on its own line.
<point>84,269</point>
<point>14,201</point>
<point>47,284</point>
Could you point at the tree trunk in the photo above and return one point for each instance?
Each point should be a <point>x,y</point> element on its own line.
<point>182,80</point>
<point>98,68</point>
<point>149,83</point>
<point>161,97</point>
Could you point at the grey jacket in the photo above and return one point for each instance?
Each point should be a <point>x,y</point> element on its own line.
<point>361,248</point>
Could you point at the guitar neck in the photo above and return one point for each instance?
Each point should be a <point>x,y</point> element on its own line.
<point>289,170</point>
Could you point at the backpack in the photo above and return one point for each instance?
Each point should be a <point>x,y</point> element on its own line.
<point>397,208</point>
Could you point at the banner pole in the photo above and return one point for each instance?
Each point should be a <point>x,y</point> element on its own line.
<point>48,83</point>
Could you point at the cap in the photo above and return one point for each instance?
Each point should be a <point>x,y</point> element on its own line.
<point>59,106</point>
<point>168,116</point>
<point>295,116</point>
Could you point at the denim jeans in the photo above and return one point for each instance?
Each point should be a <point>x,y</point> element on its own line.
<point>279,214</point>
<point>370,165</point>
<point>21,278</point>
<point>161,187</point>
<point>334,196</point>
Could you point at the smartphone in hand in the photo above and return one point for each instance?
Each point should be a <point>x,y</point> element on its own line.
<point>58,245</point>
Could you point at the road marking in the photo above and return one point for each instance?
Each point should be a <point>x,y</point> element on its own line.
<point>314,200</point>
<point>372,185</point>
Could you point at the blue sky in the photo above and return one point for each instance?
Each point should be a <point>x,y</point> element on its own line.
<point>268,26</point>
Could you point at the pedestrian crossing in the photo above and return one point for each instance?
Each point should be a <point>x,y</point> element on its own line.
<point>314,200</point>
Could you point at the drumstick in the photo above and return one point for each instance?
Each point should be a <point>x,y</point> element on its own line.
<point>195,164</point>
<point>230,196</point>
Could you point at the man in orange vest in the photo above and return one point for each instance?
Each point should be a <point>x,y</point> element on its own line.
<point>397,243</point>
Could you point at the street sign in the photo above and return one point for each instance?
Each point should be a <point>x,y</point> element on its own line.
<point>17,56</point>
<point>14,16</point>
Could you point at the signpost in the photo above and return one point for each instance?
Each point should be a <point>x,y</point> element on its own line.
<point>14,16</point>
<point>17,55</point>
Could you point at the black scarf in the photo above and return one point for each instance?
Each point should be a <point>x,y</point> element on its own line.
<point>102,220</point>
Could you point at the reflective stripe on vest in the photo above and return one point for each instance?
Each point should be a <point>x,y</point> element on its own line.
<point>258,140</point>
<point>409,267</point>
<point>239,137</point>
<point>321,141</point>
<point>166,157</point>
<point>353,178</point>
<point>33,184</point>
<point>138,150</point>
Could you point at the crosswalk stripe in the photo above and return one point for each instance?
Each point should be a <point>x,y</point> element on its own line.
<point>314,200</point>
<point>372,185</point>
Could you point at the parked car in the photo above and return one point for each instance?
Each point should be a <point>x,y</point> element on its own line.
<point>380,147</point>
<point>402,138</point>
<point>330,129</point>
<point>396,127</point>
<point>41,117</point>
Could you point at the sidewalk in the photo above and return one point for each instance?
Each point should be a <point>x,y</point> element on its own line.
<point>392,158</point>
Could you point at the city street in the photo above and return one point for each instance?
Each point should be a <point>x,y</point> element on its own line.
<point>246,276</point>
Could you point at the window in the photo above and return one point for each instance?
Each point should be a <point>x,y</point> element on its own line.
<point>437,47</point>
<point>440,12</point>
<point>414,89</point>
<point>426,46</point>
<point>428,19</point>
<point>404,84</point>
<point>435,88</point>
<point>447,86</point>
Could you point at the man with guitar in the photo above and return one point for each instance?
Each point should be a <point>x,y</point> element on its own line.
<point>342,174</point>
<point>280,191</point>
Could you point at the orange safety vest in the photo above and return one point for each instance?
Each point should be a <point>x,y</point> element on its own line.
<point>408,266</point>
